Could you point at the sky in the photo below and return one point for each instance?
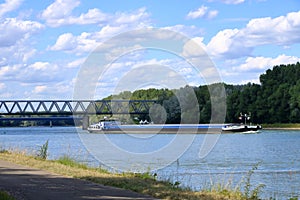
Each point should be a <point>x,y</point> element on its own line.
<point>45,45</point>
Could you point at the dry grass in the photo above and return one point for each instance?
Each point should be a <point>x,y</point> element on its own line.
<point>145,184</point>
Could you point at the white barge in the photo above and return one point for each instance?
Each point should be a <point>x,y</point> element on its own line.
<point>114,126</point>
<point>241,128</point>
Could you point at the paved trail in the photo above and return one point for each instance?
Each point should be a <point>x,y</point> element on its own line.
<point>34,184</point>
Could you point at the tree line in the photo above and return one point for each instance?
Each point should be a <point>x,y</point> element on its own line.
<point>275,100</point>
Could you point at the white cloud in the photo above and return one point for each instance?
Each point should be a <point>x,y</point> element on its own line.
<point>212,14</point>
<point>76,63</point>
<point>17,39</point>
<point>93,16</point>
<point>29,53</point>
<point>39,89</point>
<point>86,42</point>
<point>2,86</point>
<point>15,45</point>
<point>227,43</point>
<point>57,90</point>
<point>38,72</point>
<point>41,72</point>
<point>242,71</point>
<point>39,66</point>
<point>256,81</point>
<point>9,6</point>
<point>14,30</point>
<point>7,95</point>
<point>229,1</point>
<point>202,12</point>
<point>190,31</point>
<point>16,54</point>
<point>232,1</point>
<point>191,48</point>
<point>283,30</point>
<point>136,16</point>
<point>8,72</point>
<point>55,13</point>
<point>64,42</point>
<point>234,43</point>
<point>60,13</point>
<point>259,64</point>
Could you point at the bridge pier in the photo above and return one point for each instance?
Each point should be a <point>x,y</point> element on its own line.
<point>85,122</point>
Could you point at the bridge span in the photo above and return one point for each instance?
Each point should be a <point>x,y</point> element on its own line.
<point>32,110</point>
<point>74,107</point>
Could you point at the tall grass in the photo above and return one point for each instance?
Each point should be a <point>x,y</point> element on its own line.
<point>244,189</point>
<point>71,162</point>
<point>43,151</point>
<point>5,196</point>
<point>68,161</point>
<point>249,193</point>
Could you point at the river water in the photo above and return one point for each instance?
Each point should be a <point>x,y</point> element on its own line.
<point>275,153</point>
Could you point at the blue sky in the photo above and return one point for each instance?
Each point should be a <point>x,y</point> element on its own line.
<point>44,44</point>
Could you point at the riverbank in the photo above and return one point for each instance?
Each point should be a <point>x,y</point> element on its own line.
<point>40,184</point>
<point>280,126</point>
<point>140,183</point>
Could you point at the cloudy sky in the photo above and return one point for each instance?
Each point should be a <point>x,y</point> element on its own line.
<point>45,44</point>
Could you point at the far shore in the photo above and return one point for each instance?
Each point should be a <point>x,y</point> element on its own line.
<point>280,128</point>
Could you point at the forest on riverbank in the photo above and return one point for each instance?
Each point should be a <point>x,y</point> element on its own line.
<point>275,100</point>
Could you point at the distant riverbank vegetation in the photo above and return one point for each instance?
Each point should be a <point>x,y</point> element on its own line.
<point>276,100</point>
<point>12,123</point>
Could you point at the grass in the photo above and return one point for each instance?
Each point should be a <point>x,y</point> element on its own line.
<point>144,183</point>
<point>43,151</point>
<point>5,196</point>
<point>248,193</point>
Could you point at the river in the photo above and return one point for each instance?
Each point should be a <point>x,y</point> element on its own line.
<point>275,153</point>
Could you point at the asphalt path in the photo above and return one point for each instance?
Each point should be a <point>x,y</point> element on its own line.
<point>34,184</point>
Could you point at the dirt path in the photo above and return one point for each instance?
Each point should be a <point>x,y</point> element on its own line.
<point>33,184</point>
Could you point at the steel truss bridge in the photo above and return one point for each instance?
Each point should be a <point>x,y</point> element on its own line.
<point>70,109</point>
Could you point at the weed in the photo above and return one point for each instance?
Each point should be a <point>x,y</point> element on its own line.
<point>248,193</point>
<point>3,150</point>
<point>43,151</point>
<point>176,184</point>
<point>68,161</point>
<point>5,196</point>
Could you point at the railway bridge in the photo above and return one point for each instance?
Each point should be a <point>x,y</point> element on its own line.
<point>28,110</point>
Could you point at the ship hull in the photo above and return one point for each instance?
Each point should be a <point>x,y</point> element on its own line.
<point>241,128</point>
<point>161,129</point>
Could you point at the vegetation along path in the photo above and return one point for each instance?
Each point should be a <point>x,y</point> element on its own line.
<point>27,183</point>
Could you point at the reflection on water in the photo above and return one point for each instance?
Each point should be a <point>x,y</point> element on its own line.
<point>277,153</point>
